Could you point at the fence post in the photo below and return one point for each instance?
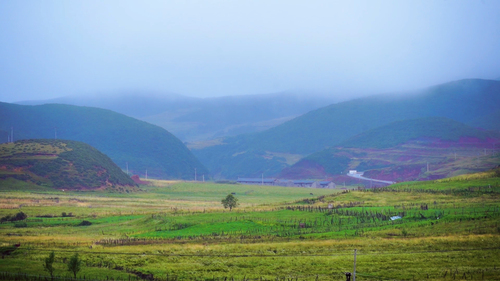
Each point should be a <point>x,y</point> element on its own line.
<point>354,271</point>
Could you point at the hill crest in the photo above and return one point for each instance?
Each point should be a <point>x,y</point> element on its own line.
<point>61,164</point>
<point>124,139</point>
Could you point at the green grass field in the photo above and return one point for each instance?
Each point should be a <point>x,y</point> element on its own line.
<point>448,230</point>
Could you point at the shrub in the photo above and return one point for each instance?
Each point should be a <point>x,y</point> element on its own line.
<point>84,223</point>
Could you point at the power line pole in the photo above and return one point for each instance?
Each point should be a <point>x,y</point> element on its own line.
<point>262,183</point>
<point>427,167</point>
<point>203,178</point>
<point>146,174</point>
<point>55,133</point>
<point>354,271</point>
<point>194,174</point>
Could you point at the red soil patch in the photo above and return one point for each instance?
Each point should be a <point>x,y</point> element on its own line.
<point>468,142</point>
<point>398,173</point>
<point>304,170</point>
<point>137,180</point>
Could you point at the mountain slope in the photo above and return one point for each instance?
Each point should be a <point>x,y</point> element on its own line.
<point>195,119</point>
<point>400,132</point>
<point>463,101</point>
<point>402,149</point>
<point>124,139</point>
<point>60,164</point>
<point>488,122</point>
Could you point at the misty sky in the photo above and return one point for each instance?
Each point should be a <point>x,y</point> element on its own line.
<point>204,48</point>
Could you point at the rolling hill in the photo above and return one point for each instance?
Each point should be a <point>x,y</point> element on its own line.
<point>467,101</point>
<point>60,164</point>
<point>124,139</point>
<point>197,119</point>
<point>463,101</point>
<point>401,151</point>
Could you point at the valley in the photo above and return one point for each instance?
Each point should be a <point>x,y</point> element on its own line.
<point>249,140</point>
<point>437,220</point>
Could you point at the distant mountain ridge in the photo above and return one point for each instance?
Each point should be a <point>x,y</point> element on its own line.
<point>463,101</point>
<point>61,164</point>
<point>194,119</point>
<point>124,139</point>
<point>466,101</point>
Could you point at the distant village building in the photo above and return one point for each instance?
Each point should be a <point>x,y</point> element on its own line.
<point>304,183</point>
<point>327,184</point>
<point>353,172</point>
<point>256,181</point>
<point>287,183</point>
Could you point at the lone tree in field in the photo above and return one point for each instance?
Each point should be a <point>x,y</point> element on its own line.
<point>230,202</point>
<point>74,264</point>
<point>49,264</point>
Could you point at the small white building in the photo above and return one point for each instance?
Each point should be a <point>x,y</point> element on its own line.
<point>352,172</point>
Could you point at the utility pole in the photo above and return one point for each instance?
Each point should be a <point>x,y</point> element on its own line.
<point>354,271</point>
<point>55,133</point>
<point>427,167</point>
<point>194,174</point>
<point>262,179</point>
<point>203,178</point>
<point>146,174</point>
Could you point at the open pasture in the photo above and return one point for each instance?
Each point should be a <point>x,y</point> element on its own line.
<point>448,230</point>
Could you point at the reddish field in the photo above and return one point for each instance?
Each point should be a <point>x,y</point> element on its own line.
<point>408,162</point>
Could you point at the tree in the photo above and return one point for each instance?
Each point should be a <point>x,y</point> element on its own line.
<point>74,264</point>
<point>49,264</point>
<point>230,202</point>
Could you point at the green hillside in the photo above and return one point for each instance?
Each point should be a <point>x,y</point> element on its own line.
<point>198,119</point>
<point>403,131</point>
<point>488,122</point>
<point>464,101</point>
<point>60,164</point>
<point>124,139</point>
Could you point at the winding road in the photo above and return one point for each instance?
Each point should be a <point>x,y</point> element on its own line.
<point>359,175</point>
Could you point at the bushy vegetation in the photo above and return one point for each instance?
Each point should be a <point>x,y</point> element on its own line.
<point>12,218</point>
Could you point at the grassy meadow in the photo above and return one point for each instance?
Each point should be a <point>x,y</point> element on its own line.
<point>172,230</point>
